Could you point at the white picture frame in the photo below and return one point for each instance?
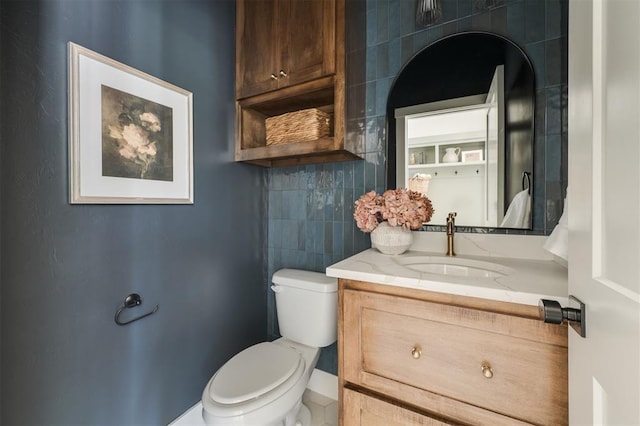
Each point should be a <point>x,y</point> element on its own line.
<point>472,155</point>
<point>130,134</point>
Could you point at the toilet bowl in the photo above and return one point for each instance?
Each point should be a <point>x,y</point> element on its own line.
<point>263,384</point>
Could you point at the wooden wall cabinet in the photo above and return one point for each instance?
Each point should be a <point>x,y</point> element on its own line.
<point>289,57</point>
<point>282,43</point>
<point>423,358</point>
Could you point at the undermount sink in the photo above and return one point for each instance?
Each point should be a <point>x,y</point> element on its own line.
<point>453,266</point>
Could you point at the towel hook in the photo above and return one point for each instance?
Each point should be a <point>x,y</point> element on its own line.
<point>526,177</point>
<point>131,301</point>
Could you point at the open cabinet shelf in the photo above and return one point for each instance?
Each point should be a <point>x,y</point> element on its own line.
<point>325,92</point>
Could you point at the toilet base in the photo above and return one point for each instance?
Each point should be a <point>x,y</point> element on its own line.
<point>304,416</point>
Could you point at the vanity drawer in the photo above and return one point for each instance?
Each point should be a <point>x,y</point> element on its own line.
<point>426,353</point>
<point>364,410</point>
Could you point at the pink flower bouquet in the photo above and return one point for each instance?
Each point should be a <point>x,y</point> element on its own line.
<point>399,207</point>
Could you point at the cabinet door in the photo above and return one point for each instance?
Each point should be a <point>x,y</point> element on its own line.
<point>256,47</point>
<point>307,40</point>
<point>360,409</point>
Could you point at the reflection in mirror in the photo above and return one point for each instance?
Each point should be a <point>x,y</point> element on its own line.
<point>460,117</point>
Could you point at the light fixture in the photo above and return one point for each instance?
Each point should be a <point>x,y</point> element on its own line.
<point>428,12</point>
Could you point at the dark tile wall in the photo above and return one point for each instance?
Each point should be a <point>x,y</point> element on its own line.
<point>310,222</point>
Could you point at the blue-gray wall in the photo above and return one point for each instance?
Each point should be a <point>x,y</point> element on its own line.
<point>66,268</point>
<point>310,208</point>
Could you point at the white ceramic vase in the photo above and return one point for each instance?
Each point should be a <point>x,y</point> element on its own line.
<point>451,155</point>
<point>389,239</point>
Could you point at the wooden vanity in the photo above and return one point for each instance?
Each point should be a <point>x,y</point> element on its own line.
<point>410,356</point>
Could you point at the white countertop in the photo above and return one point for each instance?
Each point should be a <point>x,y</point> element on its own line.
<point>527,281</point>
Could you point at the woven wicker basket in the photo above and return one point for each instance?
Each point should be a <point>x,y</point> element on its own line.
<point>297,126</point>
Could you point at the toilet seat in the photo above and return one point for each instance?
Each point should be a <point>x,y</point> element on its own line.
<point>272,406</point>
<point>253,372</point>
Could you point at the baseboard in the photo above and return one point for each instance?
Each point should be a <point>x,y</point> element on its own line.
<point>324,383</point>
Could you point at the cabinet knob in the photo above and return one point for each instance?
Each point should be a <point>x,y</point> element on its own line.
<point>416,352</point>
<point>486,369</point>
<point>283,74</point>
<point>273,77</point>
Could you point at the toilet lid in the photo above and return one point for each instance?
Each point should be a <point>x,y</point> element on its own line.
<point>253,372</point>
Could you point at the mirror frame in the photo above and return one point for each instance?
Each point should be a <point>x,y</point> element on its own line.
<point>390,172</point>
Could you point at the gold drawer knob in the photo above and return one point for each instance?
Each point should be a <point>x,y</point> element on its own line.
<point>416,352</point>
<point>486,369</point>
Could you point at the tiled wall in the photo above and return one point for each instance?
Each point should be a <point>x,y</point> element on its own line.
<point>310,222</point>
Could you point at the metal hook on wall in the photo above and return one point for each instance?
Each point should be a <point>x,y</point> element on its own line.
<point>131,301</point>
<point>526,181</point>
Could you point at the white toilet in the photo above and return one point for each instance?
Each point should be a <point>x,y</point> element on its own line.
<point>263,384</point>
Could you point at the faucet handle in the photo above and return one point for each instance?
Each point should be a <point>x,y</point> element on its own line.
<point>451,216</point>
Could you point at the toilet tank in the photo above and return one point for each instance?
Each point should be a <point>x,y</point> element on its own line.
<point>307,306</point>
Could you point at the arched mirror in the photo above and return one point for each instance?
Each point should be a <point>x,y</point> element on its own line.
<point>461,130</point>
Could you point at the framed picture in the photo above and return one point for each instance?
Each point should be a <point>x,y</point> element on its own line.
<point>130,134</point>
<point>471,155</point>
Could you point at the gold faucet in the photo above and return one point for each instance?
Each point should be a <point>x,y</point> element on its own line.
<point>451,228</point>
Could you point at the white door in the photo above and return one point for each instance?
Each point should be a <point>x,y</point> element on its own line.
<point>494,205</point>
<point>604,210</point>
